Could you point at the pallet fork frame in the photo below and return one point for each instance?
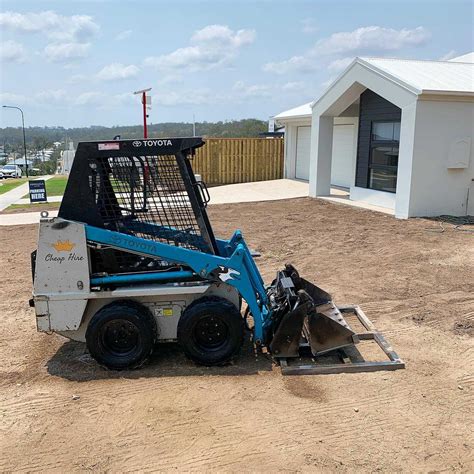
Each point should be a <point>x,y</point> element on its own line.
<point>351,359</point>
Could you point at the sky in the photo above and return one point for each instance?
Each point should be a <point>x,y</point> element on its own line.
<point>77,63</point>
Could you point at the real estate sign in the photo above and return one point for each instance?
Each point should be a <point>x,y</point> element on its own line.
<point>37,191</point>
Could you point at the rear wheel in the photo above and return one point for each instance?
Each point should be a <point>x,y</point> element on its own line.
<point>121,335</point>
<point>211,331</point>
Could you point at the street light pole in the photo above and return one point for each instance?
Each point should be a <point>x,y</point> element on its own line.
<point>24,137</point>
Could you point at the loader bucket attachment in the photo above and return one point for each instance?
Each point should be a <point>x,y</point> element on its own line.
<point>286,340</point>
<point>325,328</point>
<point>308,313</point>
<point>318,295</point>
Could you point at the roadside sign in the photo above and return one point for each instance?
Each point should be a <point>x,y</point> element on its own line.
<point>37,191</point>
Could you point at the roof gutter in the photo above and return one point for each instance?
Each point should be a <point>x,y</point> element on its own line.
<point>292,118</point>
<point>447,93</point>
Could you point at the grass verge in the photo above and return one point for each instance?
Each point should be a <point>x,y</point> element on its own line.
<point>16,208</point>
<point>54,186</point>
<point>10,183</point>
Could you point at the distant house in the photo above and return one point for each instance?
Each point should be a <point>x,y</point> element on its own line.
<point>66,160</point>
<point>396,133</point>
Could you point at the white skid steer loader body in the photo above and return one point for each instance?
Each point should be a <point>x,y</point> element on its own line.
<point>61,281</point>
<point>65,303</point>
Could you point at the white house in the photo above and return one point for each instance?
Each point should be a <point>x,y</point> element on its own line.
<point>67,158</point>
<point>397,133</point>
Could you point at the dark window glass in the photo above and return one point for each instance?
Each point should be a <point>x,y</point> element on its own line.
<point>385,155</point>
<point>396,131</point>
<point>382,131</point>
<point>386,131</point>
<point>383,164</point>
<point>383,179</point>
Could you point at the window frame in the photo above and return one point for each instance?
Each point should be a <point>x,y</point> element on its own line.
<point>378,143</point>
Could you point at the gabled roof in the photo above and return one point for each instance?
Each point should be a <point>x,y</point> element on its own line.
<point>435,77</point>
<point>465,58</point>
<point>303,111</point>
<point>453,77</point>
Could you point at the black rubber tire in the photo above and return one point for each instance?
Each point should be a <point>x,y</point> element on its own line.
<point>136,326</point>
<point>217,312</point>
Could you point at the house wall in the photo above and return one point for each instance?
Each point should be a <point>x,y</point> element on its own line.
<point>444,135</point>
<point>291,134</point>
<point>291,129</point>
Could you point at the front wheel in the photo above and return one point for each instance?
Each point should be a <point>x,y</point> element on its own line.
<point>211,331</point>
<point>121,335</point>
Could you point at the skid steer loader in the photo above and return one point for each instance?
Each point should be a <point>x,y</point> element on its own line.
<point>132,261</point>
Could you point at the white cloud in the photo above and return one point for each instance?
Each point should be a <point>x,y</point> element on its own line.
<point>77,78</point>
<point>13,52</point>
<point>339,64</point>
<point>240,92</point>
<point>449,55</point>
<point>210,47</point>
<point>53,95</point>
<point>75,28</point>
<point>42,98</point>
<point>14,99</point>
<point>102,100</point>
<point>309,26</point>
<point>117,71</point>
<point>222,33</point>
<point>370,39</point>
<point>123,35</point>
<point>89,98</point>
<point>186,97</point>
<point>328,82</point>
<point>171,78</point>
<point>294,64</point>
<point>243,90</point>
<point>336,50</point>
<point>58,52</point>
<point>293,86</point>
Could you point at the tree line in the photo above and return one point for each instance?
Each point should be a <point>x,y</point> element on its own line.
<point>41,137</point>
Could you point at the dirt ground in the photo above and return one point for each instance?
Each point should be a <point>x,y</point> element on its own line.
<point>413,280</point>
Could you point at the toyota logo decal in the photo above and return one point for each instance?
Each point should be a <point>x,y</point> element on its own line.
<point>137,143</point>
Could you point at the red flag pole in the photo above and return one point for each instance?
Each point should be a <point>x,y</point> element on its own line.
<point>143,94</point>
<point>145,131</point>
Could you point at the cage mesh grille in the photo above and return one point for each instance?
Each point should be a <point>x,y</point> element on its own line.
<point>146,196</point>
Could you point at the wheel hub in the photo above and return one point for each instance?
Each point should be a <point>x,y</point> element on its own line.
<point>120,337</point>
<point>210,333</point>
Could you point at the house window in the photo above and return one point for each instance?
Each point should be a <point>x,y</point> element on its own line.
<point>383,164</point>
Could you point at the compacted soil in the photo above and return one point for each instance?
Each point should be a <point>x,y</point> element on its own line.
<point>60,412</point>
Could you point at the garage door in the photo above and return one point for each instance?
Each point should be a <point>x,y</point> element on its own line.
<point>303,143</point>
<point>342,155</point>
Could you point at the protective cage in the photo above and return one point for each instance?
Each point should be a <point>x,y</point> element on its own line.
<point>144,188</point>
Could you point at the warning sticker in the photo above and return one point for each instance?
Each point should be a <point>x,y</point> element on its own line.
<point>163,311</point>
<point>109,146</point>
